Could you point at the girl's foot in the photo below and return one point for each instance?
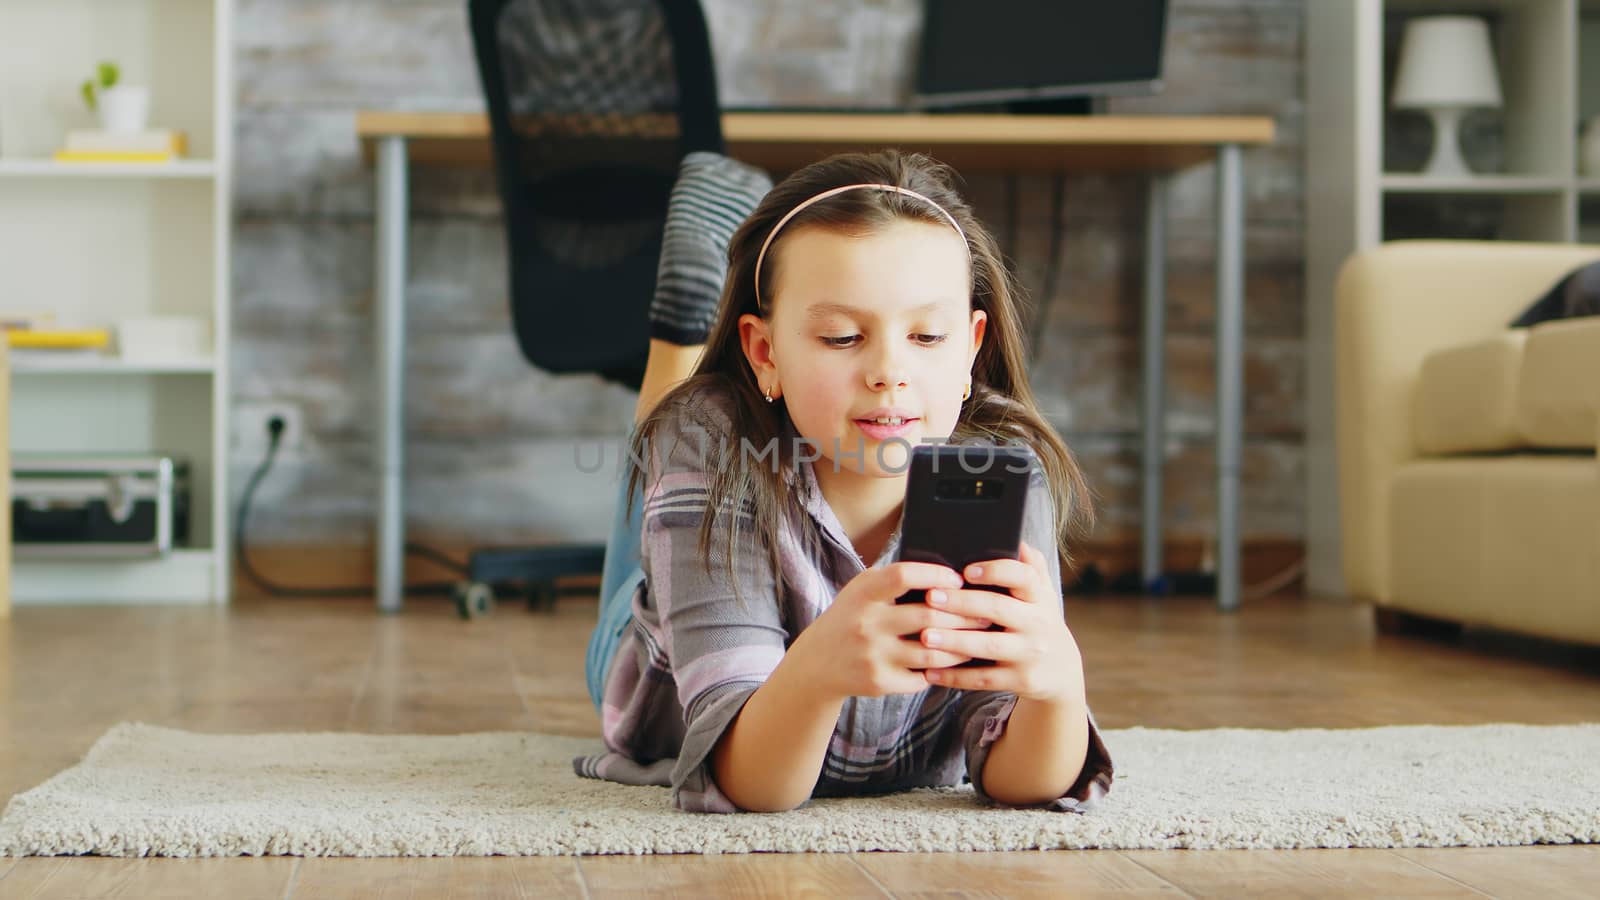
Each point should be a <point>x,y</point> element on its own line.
<point>711,198</point>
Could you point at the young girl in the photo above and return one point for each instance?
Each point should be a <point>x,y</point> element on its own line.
<point>756,657</point>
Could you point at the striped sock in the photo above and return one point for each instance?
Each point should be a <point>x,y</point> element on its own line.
<point>711,198</point>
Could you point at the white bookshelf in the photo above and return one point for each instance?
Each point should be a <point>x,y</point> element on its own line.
<point>98,242</point>
<point>1548,59</point>
<point>203,169</point>
<point>109,365</point>
<point>1491,185</point>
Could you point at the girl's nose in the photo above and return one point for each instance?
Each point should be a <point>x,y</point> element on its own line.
<point>888,376</point>
<point>888,368</point>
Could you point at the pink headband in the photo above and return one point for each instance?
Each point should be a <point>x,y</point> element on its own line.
<point>839,190</point>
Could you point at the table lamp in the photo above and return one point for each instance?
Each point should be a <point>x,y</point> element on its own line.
<point>1446,68</point>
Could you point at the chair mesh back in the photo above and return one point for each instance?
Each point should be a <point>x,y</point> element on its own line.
<point>587,56</point>
<point>592,104</point>
<point>592,94</point>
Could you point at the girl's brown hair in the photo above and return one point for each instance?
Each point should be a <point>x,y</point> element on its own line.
<point>1002,408</point>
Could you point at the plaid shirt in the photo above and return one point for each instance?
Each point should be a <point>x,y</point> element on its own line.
<point>694,654</point>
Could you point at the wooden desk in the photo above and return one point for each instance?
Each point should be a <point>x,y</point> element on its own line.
<point>787,141</point>
<point>780,141</point>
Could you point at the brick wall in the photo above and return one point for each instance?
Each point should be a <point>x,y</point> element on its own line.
<point>486,431</point>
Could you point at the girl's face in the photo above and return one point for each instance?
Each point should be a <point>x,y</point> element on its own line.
<point>871,340</point>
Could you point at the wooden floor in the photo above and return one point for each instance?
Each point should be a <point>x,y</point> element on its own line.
<point>66,675</point>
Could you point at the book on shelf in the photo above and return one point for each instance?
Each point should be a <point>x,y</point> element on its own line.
<point>156,145</point>
<point>156,140</point>
<point>75,156</point>
<point>58,339</point>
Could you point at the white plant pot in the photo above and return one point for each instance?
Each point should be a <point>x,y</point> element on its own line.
<point>164,338</point>
<point>124,109</point>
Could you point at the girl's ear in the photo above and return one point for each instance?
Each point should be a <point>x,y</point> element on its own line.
<point>755,337</point>
<point>980,324</point>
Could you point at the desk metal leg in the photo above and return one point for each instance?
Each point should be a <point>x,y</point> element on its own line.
<point>1153,428</point>
<point>1230,368</point>
<point>389,314</point>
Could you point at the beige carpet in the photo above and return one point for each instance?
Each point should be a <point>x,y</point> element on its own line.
<point>147,791</point>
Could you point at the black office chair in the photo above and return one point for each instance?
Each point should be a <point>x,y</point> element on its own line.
<point>592,105</point>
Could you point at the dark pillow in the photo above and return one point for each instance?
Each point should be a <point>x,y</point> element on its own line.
<point>1578,294</point>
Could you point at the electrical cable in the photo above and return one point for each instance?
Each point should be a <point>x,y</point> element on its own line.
<point>275,589</point>
<point>437,557</point>
<point>1013,217</point>
<point>1276,583</point>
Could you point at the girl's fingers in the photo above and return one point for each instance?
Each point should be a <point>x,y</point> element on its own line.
<point>917,657</point>
<point>985,678</point>
<point>1009,574</point>
<point>1024,577</point>
<point>1037,560</point>
<point>941,619</point>
<point>898,578</point>
<point>1002,609</point>
<point>911,618</point>
<point>999,646</point>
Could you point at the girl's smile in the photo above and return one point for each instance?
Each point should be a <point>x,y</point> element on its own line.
<point>883,423</point>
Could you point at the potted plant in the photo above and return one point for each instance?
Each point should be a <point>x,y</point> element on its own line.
<point>122,108</point>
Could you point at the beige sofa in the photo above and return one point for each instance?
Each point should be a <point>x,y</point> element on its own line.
<point>1469,485</point>
<point>5,478</point>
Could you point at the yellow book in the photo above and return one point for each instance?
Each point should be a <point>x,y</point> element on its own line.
<point>88,156</point>
<point>59,340</point>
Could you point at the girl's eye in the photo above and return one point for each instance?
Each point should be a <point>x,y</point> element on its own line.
<point>926,340</point>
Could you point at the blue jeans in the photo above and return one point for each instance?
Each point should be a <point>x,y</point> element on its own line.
<point>619,577</point>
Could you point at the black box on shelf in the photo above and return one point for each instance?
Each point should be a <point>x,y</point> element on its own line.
<point>74,505</point>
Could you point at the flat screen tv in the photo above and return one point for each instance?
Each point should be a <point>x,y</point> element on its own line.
<point>978,52</point>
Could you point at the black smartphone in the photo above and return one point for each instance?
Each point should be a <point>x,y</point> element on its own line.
<point>964,504</point>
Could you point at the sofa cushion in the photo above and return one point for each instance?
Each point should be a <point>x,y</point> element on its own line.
<point>1506,541</point>
<point>1558,392</point>
<point>1465,399</point>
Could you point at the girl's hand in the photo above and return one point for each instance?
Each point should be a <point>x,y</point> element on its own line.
<point>1035,658</point>
<point>858,647</point>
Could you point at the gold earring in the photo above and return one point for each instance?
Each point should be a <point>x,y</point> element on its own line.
<point>968,395</point>
<point>767,394</point>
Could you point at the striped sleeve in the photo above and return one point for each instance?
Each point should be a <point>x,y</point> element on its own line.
<point>711,198</point>
<point>720,643</point>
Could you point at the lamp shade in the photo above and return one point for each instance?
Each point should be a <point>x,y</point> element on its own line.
<point>1446,61</point>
